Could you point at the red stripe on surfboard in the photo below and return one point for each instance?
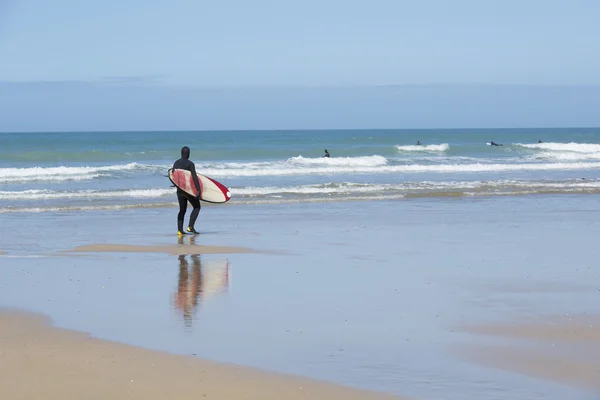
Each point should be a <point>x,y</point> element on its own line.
<point>183,180</point>
<point>193,185</point>
<point>222,187</point>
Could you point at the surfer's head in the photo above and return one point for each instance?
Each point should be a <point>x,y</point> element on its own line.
<point>185,152</point>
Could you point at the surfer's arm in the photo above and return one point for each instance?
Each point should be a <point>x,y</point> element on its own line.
<point>195,177</point>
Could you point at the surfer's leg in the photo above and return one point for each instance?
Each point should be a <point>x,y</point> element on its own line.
<point>196,204</point>
<point>182,209</point>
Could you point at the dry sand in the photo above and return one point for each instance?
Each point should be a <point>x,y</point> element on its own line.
<point>174,249</point>
<point>564,349</point>
<point>38,361</point>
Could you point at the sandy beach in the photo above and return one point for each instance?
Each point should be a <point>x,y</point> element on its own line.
<point>40,361</point>
<point>325,302</point>
<point>558,348</point>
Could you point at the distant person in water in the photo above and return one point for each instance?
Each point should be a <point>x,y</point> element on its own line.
<point>539,141</point>
<point>183,197</point>
<point>418,143</point>
<point>494,144</point>
<point>326,154</point>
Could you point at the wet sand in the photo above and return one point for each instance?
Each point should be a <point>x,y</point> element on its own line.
<point>181,249</point>
<point>40,361</point>
<point>374,311</point>
<point>564,349</point>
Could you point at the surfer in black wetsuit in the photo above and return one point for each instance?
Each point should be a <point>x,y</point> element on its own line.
<point>326,154</point>
<point>183,197</point>
<point>495,144</point>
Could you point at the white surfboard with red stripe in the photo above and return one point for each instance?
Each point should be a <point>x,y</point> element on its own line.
<point>210,190</point>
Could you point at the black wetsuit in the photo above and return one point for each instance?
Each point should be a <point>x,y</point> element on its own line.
<point>183,197</point>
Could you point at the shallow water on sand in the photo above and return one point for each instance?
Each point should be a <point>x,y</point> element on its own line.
<point>367,294</point>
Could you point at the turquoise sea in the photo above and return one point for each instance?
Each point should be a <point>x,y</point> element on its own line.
<point>368,263</point>
<point>100,170</point>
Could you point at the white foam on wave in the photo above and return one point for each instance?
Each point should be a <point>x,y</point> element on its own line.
<point>344,188</point>
<point>365,161</point>
<point>62,173</point>
<point>83,194</point>
<point>284,170</point>
<point>424,148</point>
<point>574,184</point>
<point>566,156</point>
<point>342,191</point>
<point>349,188</point>
<point>69,208</point>
<point>331,188</point>
<point>298,163</point>
<point>292,166</point>
<point>50,178</point>
<point>564,151</point>
<point>303,166</point>
<point>570,147</point>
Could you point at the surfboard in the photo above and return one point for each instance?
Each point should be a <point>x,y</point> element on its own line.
<point>211,191</point>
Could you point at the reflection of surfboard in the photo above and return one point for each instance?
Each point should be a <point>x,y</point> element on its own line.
<point>199,281</point>
<point>215,277</point>
<point>210,190</point>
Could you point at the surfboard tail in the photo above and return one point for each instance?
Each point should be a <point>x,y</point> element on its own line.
<point>223,188</point>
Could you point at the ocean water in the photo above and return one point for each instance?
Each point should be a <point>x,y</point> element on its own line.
<point>44,172</point>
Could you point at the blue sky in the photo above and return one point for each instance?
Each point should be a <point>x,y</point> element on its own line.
<point>71,65</point>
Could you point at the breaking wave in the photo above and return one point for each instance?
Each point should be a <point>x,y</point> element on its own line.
<point>84,194</point>
<point>10,175</point>
<point>564,151</point>
<point>571,147</point>
<point>270,169</point>
<point>332,191</point>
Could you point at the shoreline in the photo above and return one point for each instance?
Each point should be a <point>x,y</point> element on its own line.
<point>43,361</point>
<point>407,197</point>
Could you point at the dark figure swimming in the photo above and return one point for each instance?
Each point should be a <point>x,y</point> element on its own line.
<point>495,144</point>
<point>183,197</point>
<point>326,154</point>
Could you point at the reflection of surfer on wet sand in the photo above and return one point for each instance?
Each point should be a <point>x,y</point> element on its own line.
<point>188,287</point>
<point>195,284</point>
